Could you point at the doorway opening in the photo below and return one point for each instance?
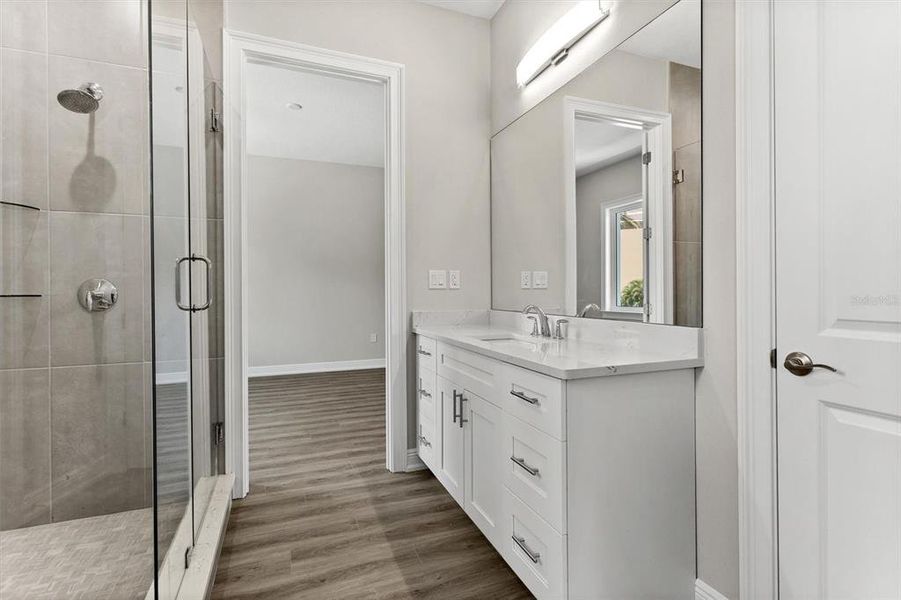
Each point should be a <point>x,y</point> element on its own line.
<point>314,235</point>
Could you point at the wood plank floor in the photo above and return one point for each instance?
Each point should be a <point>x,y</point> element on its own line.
<point>325,520</point>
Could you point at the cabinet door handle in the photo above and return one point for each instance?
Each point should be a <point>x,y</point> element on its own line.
<point>523,397</point>
<point>424,352</point>
<point>521,542</point>
<point>522,463</point>
<point>456,416</point>
<point>462,420</point>
<point>424,393</point>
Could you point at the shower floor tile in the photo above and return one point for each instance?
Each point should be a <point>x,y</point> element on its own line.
<point>99,558</point>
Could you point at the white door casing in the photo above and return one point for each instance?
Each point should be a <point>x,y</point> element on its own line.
<point>656,187</point>
<point>238,49</point>
<point>838,297</point>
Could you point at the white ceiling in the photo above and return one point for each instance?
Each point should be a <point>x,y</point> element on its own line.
<point>484,9</point>
<point>600,144</point>
<point>342,120</point>
<point>675,35</point>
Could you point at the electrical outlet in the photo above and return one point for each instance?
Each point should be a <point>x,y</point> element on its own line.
<point>453,280</point>
<point>525,280</point>
<point>373,338</point>
<point>437,280</point>
<point>539,280</point>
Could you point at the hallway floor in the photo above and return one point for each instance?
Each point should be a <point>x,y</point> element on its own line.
<point>325,520</point>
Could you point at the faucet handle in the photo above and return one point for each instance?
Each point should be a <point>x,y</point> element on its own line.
<point>559,330</point>
<point>534,320</point>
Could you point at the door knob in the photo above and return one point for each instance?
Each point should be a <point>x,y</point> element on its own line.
<point>800,364</point>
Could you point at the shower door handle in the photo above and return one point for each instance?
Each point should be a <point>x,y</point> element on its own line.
<point>208,264</point>
<point>178,264</point>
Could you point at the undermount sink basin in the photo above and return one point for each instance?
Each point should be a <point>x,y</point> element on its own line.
<point>509,340</point>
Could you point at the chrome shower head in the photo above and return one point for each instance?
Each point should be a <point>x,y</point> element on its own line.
<point>84,99</point>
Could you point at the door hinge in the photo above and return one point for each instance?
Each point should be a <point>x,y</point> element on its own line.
<point>189,552</point>
<point>678,176</point>
<point>648,309</point>
<point>646,158</point>
<point>215,121</point>
<point>218,433</point>
<point>773,358</point>
<point>647,233</point>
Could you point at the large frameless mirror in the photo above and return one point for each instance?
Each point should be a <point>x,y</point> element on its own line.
<point>596,191</point>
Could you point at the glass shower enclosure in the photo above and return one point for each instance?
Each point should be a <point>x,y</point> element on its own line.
<point>110,293</point>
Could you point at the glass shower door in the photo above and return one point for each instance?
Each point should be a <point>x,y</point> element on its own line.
<point>173,303</point>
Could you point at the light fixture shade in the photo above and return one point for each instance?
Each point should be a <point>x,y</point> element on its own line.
<point>556,41</point>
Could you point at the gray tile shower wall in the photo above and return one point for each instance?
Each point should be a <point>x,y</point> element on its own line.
<point>75,393</point>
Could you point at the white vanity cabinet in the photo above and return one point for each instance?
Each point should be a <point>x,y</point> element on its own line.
<point>585,486</point>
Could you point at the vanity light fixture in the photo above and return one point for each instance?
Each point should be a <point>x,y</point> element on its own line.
<point>553,46</point>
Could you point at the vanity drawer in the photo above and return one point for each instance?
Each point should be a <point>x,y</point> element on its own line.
<point>535,470</point>
<point>427,397</point>
<point>426,352</point>
<point>534,550</point>
<point>535,398</point>
<point>428,443</point>
<point>470,371</point>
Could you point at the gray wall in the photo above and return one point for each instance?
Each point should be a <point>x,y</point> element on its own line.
<point>614,182</point>
<point>316,252</point>
<point>74,396</point>
<point>717,446</point>
<point>515,26</point>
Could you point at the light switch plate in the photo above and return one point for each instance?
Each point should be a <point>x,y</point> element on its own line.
<point>539,280</point>
<point>453,280</point>
<point>525,280</point>
<point>437,280</point>
<point>373,337</point>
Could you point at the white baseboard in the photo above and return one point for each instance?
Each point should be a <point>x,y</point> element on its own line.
<point>414,463</point>
<point>705,592</point>
<point>321,367</point>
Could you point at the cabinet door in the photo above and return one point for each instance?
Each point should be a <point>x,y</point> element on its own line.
<point>451,470</point>
<point>484,476</point>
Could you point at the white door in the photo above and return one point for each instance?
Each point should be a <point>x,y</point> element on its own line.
<point>484,476</point>
<point>451,470</point>
<point>838,297</point>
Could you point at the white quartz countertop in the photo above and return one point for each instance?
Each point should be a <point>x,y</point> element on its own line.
<point>566,359</point>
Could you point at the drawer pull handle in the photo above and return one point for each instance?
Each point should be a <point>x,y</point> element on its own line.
<point>425,394</point>
<point>522,463</point>
<point>522,396</point>
<point>424,352</point>
<point>521,542</point>
<point>424,441</point>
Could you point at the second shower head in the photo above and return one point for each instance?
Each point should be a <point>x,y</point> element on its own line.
<point>83,99</point>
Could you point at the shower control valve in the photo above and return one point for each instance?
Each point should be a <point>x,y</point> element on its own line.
<point>97,295</point>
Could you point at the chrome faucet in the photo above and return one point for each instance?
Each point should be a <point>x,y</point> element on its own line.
<point>542,325</point>
<point>588,308</point>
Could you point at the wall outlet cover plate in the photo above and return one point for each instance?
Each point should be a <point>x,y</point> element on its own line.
<point>453,280</point>
<point>525,280</point>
